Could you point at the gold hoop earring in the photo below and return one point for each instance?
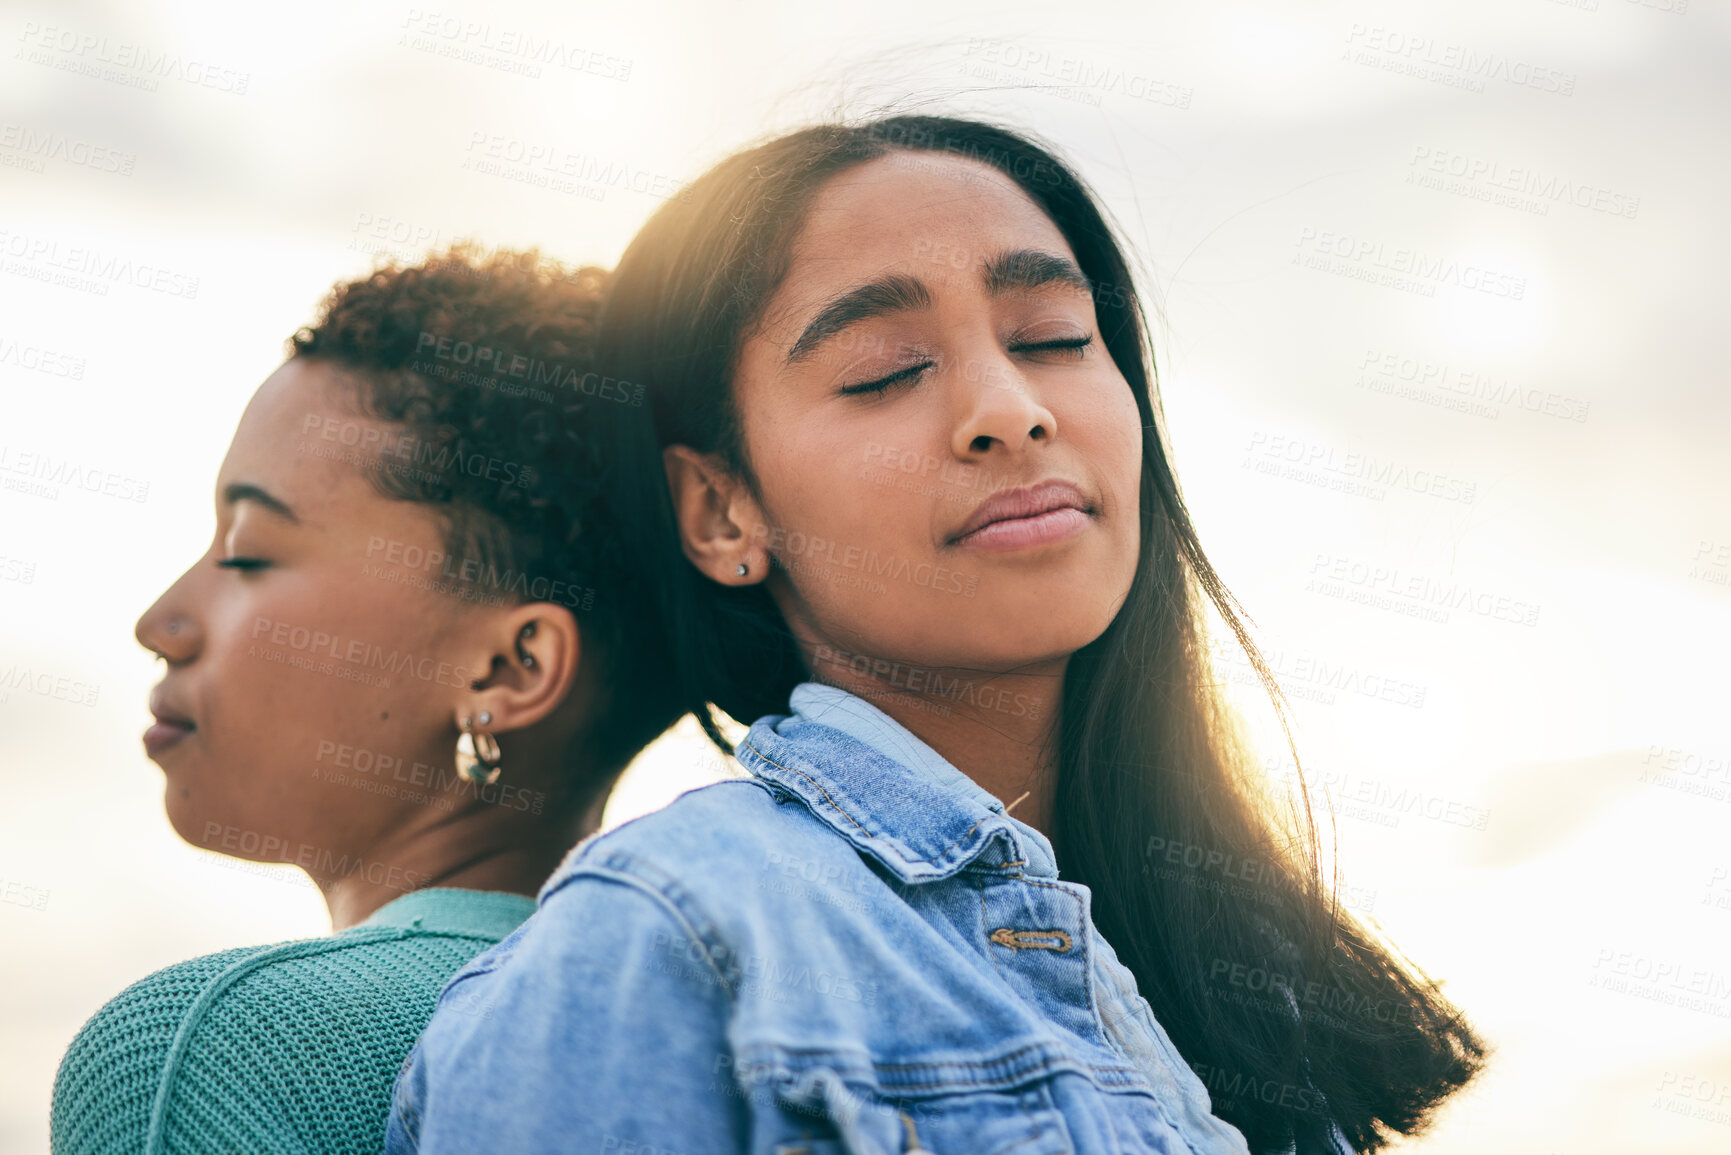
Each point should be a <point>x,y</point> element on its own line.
<point>478,752</point>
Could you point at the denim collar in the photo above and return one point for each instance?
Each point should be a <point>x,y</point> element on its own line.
<point>871,780</point>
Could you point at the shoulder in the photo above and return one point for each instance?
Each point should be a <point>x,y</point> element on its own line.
<point>725,865</point>
<point>107,1084</point>
<point>730,844</point>
<point>246,1028</point>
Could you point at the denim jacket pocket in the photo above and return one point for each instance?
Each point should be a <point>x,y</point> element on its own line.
<point>823,1115</point>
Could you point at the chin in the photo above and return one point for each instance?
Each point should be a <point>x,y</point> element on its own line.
<point>234,835</point>
<point>189,819</point>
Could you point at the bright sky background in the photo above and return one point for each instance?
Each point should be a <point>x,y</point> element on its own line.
<point>1534,809</point>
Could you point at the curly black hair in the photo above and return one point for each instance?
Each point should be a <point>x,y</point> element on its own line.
<point>481,360</point>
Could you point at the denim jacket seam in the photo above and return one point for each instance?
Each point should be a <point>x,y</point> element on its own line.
<point>746,742</point>
<point>839,809</point>
<point>986,932</point>
<point>598,842</point>
<point>694,922</point>
<point>1106,1037</point>
<point>1087,926</point>
<point>925,1076</point>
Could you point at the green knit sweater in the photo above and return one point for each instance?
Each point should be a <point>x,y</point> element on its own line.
<point>291,1048</point>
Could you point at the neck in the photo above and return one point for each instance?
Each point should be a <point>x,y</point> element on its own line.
<point>994,727</point>
<point>480,848</point>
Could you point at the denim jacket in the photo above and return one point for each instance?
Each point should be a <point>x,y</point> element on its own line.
<point>853,950</point>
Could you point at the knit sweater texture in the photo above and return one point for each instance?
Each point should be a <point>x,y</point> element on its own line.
<point>291,1048</point>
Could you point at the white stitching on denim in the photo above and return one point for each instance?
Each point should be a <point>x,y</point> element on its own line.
<point>746,742</point>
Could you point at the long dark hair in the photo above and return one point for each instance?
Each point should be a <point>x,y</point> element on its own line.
<point>1287,1008</point>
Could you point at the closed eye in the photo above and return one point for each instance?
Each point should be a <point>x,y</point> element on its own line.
<point>243,563</point>
<point>883,383</point>
<point>1066,345</point>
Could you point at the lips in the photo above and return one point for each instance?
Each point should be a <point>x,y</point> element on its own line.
<point>170,727</point>
<point>1032,515</point>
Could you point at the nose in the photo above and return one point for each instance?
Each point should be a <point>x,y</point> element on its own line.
<point>998,407</point>
<point>169,629</point>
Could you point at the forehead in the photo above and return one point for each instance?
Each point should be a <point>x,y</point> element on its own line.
<point>301,439</point>
<point>926,214</point>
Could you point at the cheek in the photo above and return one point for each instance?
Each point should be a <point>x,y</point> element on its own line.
<point>836,496</point>
<point>299,684</point>
<point>1108,432</point>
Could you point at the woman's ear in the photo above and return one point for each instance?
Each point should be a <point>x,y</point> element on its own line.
<point>721,526</point>
<point>534,654</point>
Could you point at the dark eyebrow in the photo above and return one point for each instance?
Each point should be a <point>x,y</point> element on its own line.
<point>891,294</point>
<point>241,491</point>
<point>1030,269</point>
<point>1019,269</point>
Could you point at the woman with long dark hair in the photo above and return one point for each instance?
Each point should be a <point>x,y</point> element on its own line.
<point>933,542</point>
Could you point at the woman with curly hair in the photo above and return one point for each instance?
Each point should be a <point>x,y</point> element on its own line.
<point>412,663</point>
